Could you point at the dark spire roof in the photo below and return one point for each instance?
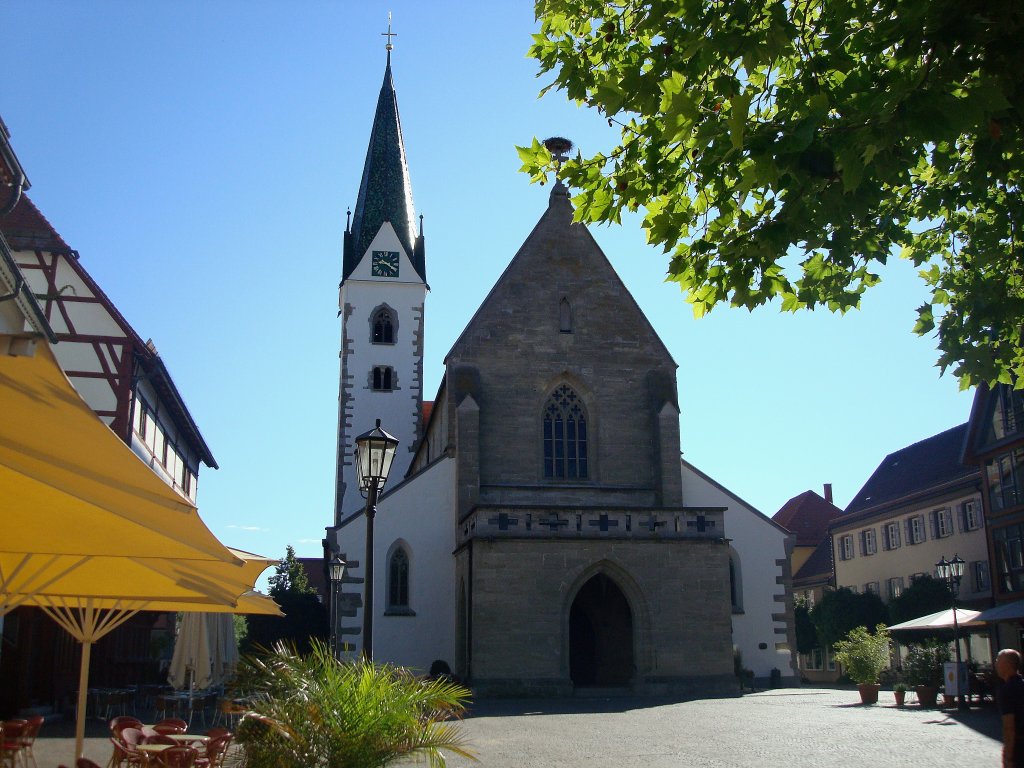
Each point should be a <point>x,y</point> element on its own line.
<point>385,192</point>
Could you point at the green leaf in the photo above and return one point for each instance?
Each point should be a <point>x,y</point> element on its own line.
<point>738,107</point>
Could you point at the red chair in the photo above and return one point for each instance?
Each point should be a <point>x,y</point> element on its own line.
<point>121,722</point>
<point>167,723</point>
<point>28,738</point>
<point>159,738</point>
<point>126,747</point>
<point>216,751</point>
<point>12,733</point>
<point>175,757</point>
<point>84,762</point>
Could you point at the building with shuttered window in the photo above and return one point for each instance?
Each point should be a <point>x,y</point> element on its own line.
<point>920,504</point>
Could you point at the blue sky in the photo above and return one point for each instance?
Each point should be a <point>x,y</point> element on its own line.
<point>200,157</point>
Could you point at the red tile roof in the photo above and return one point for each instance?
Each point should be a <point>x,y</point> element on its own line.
<point>26,229</point>
<point>808,516</point>
<point>428,408</point>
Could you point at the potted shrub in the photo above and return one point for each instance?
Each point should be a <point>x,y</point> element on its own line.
<point>899,690</point>
<point>923,670</point>
<point>864,655</point>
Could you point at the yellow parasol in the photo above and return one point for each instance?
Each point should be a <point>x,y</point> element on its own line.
<point>90,535</point>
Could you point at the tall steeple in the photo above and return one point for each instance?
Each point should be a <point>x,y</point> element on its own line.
<point>385,191</point>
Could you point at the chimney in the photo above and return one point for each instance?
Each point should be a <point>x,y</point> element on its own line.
<point>828,492</point>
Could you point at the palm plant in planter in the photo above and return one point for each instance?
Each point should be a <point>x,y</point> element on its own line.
<point>864,656</point>
<point>314,711</point>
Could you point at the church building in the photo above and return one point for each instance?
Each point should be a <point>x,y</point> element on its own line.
<point>538,531</point>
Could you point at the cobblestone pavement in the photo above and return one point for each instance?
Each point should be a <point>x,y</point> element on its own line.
<point>788,727</point>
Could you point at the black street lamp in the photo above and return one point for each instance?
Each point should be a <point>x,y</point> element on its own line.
<point>335,571</point>
<point>375,451</point>
<point>951,571</point>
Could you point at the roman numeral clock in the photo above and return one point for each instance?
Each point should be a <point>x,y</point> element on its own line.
<point>384,264</point>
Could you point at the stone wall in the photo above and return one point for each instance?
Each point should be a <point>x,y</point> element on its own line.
<point>521,593</point>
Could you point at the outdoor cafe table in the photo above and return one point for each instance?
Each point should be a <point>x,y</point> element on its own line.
<point>189,738</point>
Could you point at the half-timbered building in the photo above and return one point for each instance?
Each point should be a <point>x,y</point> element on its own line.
<point>125,381</point>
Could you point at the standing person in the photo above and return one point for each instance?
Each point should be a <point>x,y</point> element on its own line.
<point>1011,706</point>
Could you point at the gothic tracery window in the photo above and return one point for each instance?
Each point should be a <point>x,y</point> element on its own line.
<point>565,436</point>
<point>383,327</point>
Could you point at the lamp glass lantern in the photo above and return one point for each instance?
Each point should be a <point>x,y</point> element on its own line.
<point>336,569</point>
<point>375,452</point>
<point>956,568</point>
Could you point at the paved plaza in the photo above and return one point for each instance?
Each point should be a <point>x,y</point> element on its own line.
<point>788,727</point>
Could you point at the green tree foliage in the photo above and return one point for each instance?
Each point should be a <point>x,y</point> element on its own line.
<point>925,595</point>
<point>864,654</point>
<point>290,577</point>
<point>305,617</point>
<point>923,664</point>
<point>806,634</point>
<point>313,711</point>
<point>840,612</point>
<point>787,150</point>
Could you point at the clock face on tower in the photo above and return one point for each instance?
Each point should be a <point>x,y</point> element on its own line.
<point>384,264</point>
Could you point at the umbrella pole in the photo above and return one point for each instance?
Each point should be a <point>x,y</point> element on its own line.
<point>83,693</point>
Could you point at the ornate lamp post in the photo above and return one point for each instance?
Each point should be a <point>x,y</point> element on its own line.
<point>335,571</point>
<point>951,571</point>
<point>375,451</point>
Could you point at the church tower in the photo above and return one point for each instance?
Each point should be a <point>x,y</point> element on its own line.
<point>381,301</point>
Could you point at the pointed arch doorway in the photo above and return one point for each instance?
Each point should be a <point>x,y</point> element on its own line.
<point>600,635</point>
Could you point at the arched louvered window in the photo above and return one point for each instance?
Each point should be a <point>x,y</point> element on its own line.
<point>398,579</point>
<point>565,436</point>
<point>383,327</point>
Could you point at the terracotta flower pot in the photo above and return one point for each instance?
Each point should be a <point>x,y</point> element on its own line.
<point>901,697</point>
<point>868,692</point>
<point>926,695</point>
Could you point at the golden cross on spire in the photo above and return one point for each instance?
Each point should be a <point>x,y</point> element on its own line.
<point>389,34</point>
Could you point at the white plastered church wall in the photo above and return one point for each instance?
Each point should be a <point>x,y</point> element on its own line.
<point>758,544</point>
<point>420,513</point>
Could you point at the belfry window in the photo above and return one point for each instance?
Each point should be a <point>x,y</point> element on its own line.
<point>383,327</point>
<point>565,436</point>
<point>398,579</point>
<point>383,378</point>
